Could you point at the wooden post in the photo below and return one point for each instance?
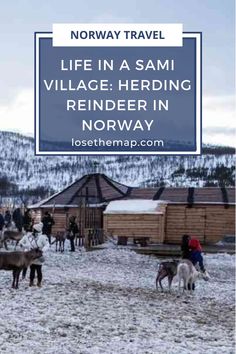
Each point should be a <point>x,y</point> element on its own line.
<point>86,239</point>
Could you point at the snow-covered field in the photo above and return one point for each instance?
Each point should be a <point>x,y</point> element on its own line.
<point>105,302</point>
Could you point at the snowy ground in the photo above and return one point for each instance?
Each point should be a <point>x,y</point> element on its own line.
<point>105,302</point>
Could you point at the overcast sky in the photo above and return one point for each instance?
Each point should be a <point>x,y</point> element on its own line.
<point>19,19</point>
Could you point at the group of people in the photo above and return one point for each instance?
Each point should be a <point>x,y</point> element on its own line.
<point>5,219</point>
<point>26,221</point>
<point>191,249</point>
<point>21,220</point>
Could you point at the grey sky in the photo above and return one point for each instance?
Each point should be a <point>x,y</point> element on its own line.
<point>20,18</point>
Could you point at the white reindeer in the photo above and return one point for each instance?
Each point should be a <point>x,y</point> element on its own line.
<point>188,274</point>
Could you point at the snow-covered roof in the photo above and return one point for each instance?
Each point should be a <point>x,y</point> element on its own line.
<point>135,206</point>
<point>62,206</point>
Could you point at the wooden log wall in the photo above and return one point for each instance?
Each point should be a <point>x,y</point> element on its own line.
<point>219,223</point>
<point>132,225</point>
<point>209,223</point>
<point>89,218</point>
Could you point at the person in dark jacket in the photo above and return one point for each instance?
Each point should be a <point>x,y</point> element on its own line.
<point>48,223</point>
<point>185,251</point>
<point>27,221</point>
<point>18,218</point>
<point>7,218</point>
<point>1,221</point>
<point>196,256</point>
<point>73,230</point>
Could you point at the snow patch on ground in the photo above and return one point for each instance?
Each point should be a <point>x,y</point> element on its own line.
<point>105,302</point>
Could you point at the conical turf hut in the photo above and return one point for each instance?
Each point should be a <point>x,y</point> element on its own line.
<point>86,199</point>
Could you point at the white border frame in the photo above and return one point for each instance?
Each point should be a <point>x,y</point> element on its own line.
<point>197,36</point>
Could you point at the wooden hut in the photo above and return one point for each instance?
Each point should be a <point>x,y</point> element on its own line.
<point>138,219</point>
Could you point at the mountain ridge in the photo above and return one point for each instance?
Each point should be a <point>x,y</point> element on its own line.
<point>20,167</point>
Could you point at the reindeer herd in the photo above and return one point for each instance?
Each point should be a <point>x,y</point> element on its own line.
<point>185,272</point>
<point>17,261</point>
<point>12,234</point>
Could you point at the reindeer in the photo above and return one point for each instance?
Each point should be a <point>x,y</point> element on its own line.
<point>166,269</point>
<point>60,238</point>
<point>16,261</point>
<point>189,274</point>
<point>6,235</point>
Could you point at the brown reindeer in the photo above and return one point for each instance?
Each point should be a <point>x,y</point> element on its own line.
<point>10,235</point>
<point>16,261</point>
<point>60,238</point>
<point>166,269</point>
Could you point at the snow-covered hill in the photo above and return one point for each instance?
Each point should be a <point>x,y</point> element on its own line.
<point>18,163</point>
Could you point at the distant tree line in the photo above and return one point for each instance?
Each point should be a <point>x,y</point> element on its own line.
<point>218,150</point>
<point>10,190</point>
<point>217,176</point>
